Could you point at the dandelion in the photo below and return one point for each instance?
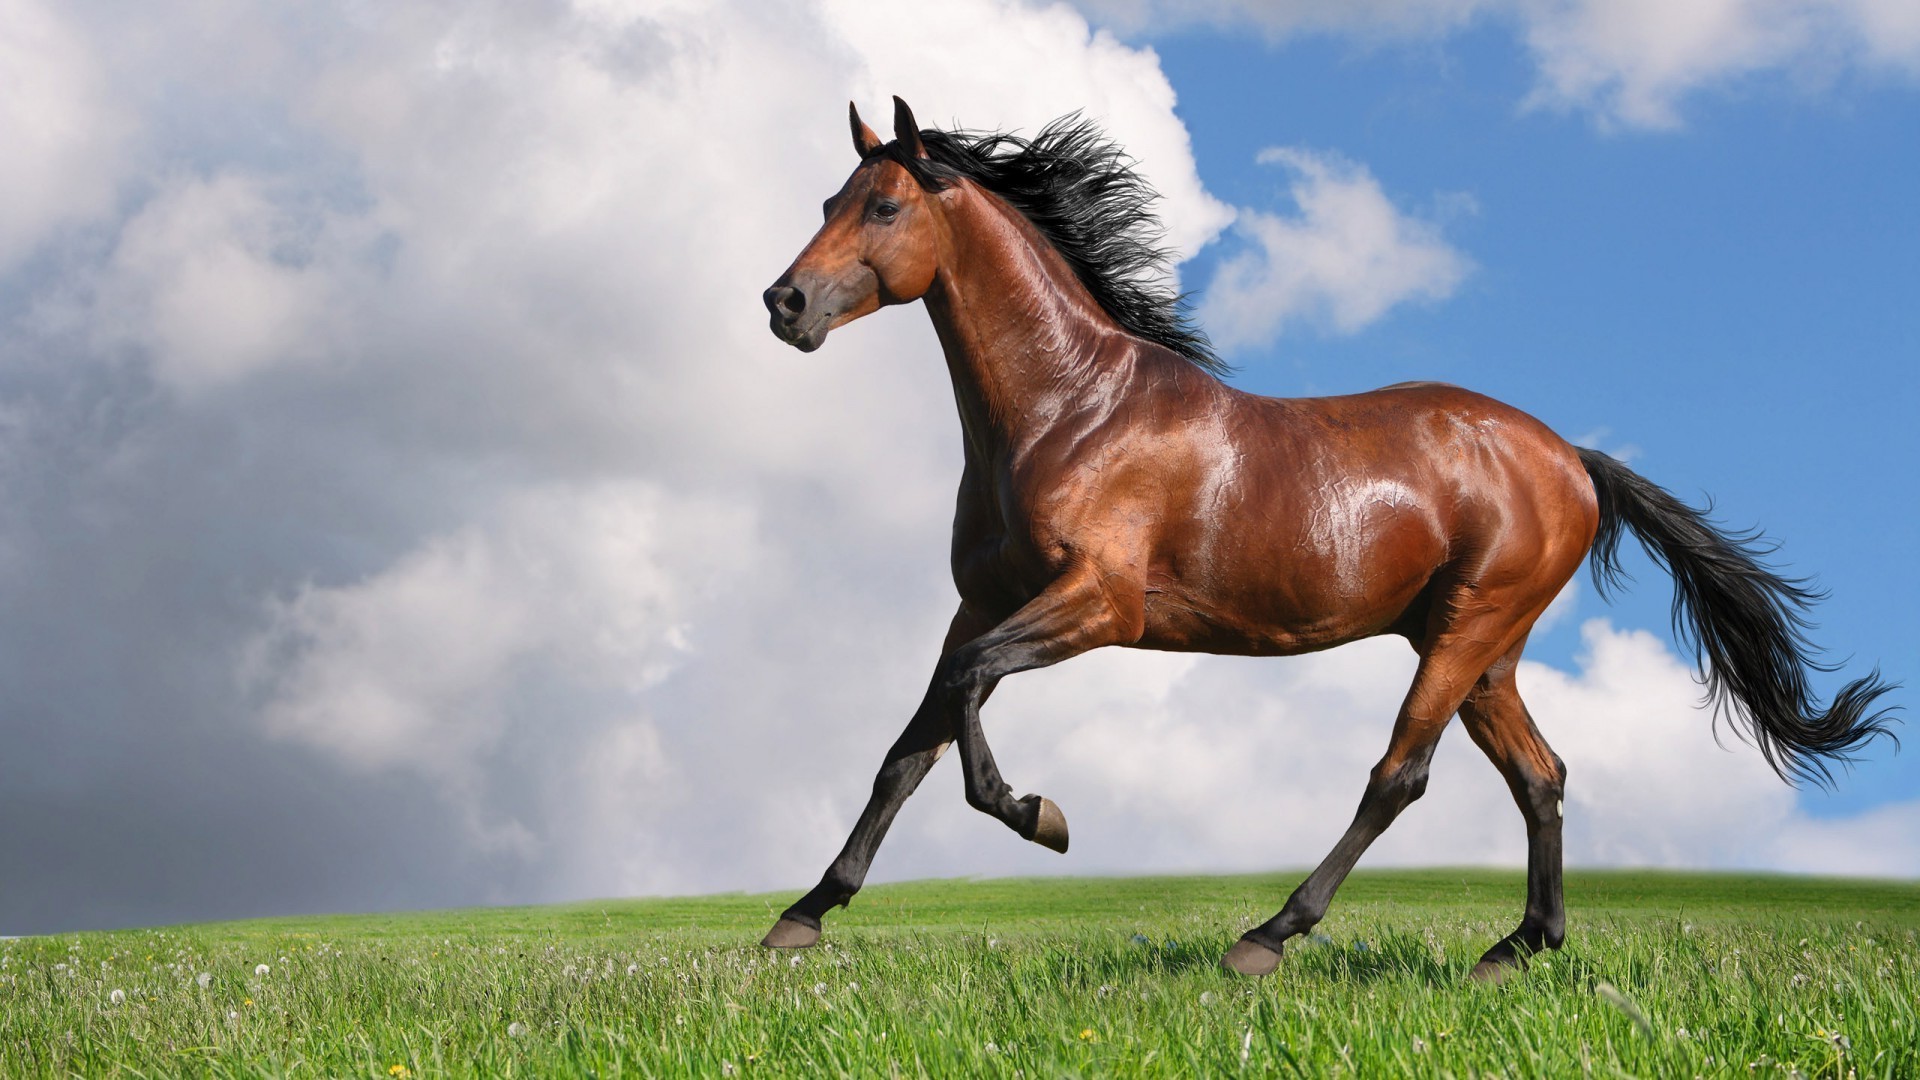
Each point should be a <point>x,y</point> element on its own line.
<point>633,969</point>
<point>205,979</point>
<point>726,1068</point>
<point>232,1017</point>
<point>262,970</point>
<point>118,997</point>
<point>1103,991</point>
<point>1419,1045</point>
<point>401,1072</point>
<point>516,1029</point>
<point>991,1048</point>
<point>249,1001</point>
<point>1206,997</point>
<point>1089,1035</point>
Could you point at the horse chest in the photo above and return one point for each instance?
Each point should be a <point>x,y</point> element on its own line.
<point>1005,549</point>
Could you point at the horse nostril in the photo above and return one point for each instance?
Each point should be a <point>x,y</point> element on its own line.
<point>785,300</point>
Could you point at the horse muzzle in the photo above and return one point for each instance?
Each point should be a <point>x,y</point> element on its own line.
<point>796,319</point>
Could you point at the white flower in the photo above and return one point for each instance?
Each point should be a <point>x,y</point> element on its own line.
<point>1206,997</point>
<point>633,969</point>
<point>205,979</point>
<point>118,997</point>
<point>262,970</point>
<point>516,1029</point>
<point>726,1068</point>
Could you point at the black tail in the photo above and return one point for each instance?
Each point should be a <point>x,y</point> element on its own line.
<point>1745,624</point>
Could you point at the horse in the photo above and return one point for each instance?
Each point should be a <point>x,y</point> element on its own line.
<point>1116,491</point>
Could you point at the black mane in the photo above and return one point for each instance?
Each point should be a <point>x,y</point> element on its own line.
<point>1079,189</point>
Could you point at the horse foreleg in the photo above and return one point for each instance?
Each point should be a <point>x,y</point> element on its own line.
<point>926,737</point>
<point>1081,610</point>
<point>1498,721</point>
<point>1446,672</point>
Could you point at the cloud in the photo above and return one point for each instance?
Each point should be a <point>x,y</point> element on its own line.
<point>1347,258</point>
<point>1185,763</point>
<point>66,138</point>
<point>399,446</point>
<point>408,506</point>
<point>1631,63</point>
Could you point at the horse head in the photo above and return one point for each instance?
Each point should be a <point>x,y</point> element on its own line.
<point>877,247</point>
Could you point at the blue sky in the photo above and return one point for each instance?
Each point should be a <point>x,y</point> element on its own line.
<point>410,508</point>
<point>1736,301</point>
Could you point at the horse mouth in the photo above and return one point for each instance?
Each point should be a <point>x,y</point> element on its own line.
<point>805,335</point>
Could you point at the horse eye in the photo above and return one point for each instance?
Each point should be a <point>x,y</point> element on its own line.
<point>885,211</point>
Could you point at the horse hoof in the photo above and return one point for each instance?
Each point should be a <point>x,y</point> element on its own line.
<point>1050,831</point>
<point>791,934</point>
<point>1493,972</point>
<point>1250,958</point>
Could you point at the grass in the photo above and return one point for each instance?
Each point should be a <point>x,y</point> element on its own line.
<point>1663,975</point>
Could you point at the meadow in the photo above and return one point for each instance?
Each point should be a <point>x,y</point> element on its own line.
<point>1664,974</point>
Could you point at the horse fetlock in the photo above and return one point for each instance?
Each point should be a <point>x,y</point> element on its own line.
<point>1543,932</point>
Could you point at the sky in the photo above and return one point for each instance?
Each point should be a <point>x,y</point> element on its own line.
<point>407,506</point>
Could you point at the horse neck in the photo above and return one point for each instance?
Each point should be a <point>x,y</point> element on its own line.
<point>1028,347</point>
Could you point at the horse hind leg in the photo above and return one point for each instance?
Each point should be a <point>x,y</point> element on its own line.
<point>1448,669</point>
<point>1498,722</point>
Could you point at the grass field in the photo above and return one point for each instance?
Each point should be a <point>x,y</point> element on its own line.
<point>1663,975</point>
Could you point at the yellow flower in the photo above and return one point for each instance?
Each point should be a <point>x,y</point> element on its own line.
<point>1088,1035</point>
<point>249,1001</point>
<point>400,1071</point>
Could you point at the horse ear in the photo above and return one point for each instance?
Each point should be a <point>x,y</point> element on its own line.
<point>864,140</point>
<point>906,131</point>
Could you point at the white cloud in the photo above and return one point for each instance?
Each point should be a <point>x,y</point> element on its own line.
<point>65,139</point>
<point>1174,763</point>
<point>1627,62</point>
<point>568,600</point>
<point>1343,261</point>
<point>218,279</point>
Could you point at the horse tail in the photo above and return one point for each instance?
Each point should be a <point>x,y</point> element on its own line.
<point>1745,625</point>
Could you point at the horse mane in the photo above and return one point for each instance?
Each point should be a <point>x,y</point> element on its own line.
<point>1079,188</point>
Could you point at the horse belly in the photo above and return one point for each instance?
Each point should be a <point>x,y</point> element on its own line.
<point>1351,569</point>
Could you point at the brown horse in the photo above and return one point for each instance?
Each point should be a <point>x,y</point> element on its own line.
<point>1117,493</point>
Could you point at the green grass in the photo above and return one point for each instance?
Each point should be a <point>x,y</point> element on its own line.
<point>1663,975</point>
